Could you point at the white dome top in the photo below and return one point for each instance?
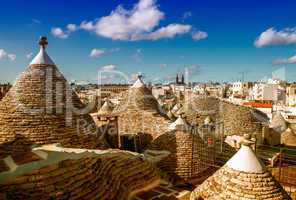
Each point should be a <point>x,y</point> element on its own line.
<point>179,124</point>
<point>42,58</point>
<point>208,120</point>
<point>139,83</point>
<point>245,160</point>
<point>106,108</point>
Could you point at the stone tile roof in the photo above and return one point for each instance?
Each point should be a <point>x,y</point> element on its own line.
<point>138,97</point>
<point>38,110</point>
<point>288,137</point>
<point>68,173</point>
<point>164,192</point>
<point>227,183</point>
<point>189,156</point>
<point>243,177</point>
<point>106,109</point>
<point>237,119</point>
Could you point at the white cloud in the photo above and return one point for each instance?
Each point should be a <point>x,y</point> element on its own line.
<point>124,24</point>
<point>274,37</point>
<point>282,61</point>
<point>29,55</point>
<point>135,24</point>
<point>169,31</point>
<point>109,68</point>
<point>59,33</point>
<point>6,56</point>
<point>199,35</point>
<point>95,53</point>
<point>139,23</point>
<point>71,27</point>
<point>89,26</point>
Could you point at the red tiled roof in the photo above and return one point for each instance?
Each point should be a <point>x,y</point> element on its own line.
<point>258,104</point>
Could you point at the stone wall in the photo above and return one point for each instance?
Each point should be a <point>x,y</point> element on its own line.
<point>189,156</point>
<point>111,174</point>
<point>287,177</point>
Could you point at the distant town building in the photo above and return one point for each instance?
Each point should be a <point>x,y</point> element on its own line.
<point>180,81</point>
<point>111,89</point>
<point>291,95</point>
<point>241,89</point>
<point>267,92</point>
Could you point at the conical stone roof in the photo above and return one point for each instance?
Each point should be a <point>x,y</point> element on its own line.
<point>179,124</point>
<point>41,108</point>
<point>244,176</point>
<point>138,97</point>
<point>189,154</point>
<point>106,109</point>
<point>288,137</point>
<point>139,83</point>
<point>278,123</point>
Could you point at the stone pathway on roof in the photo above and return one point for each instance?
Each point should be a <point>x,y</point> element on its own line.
<point>164,192</point>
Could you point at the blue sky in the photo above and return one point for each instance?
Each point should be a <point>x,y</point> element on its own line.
<point>211,40</point>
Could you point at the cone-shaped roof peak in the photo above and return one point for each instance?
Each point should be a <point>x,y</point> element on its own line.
<point>208,120</point>
<point>139,83</point>
<point>245,160</point>
<point>42,58</point>
<point>179,124</point>
<point>106,108</point>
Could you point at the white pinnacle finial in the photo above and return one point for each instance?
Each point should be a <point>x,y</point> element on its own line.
<point>245,160</point>
<point>139,82</point>
<point>42,58</point>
